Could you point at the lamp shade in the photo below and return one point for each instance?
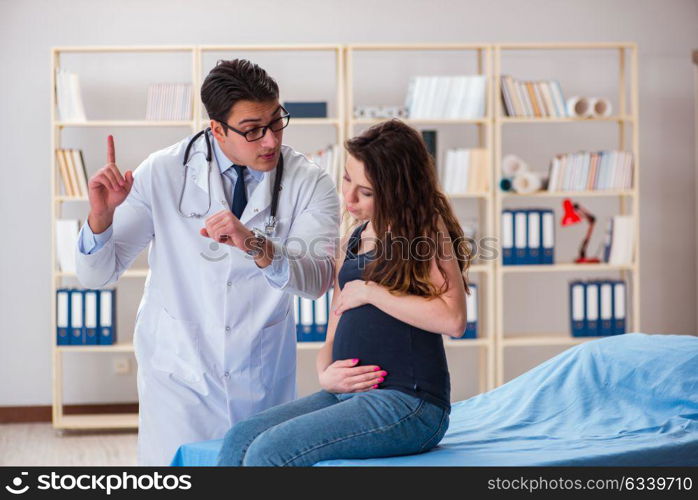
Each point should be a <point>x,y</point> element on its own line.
<point>570,216</point>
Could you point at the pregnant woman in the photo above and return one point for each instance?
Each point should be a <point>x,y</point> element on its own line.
<point>399,288</point>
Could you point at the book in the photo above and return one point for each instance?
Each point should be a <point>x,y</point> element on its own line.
<point>169,102</point>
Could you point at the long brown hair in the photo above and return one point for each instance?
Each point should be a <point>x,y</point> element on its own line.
<point>407,205</point>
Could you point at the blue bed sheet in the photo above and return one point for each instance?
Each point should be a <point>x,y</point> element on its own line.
<point>625,400</point>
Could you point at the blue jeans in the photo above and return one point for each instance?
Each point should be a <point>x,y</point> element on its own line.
<point>325,426</point>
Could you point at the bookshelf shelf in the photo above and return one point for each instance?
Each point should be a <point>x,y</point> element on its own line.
<point>129,273</point>
<point>115,348</point>
<point>317,121</point>
<point>68,199</point>
<point>564,268</point>
<point>97,421</point>
<point>545,340</point>
<point>516,119</point>
<point>424,121</point>
<point>126,123</point>
<point>569,194</point>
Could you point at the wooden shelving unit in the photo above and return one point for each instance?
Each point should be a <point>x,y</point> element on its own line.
<point>484,127</point>
<point>628,199</point>
<point>490,275</point>
<point>120,421</point>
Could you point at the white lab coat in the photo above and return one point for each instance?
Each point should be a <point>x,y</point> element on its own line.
<point>215,338</point>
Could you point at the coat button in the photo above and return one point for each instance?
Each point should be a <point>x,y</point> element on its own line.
<point>227,329</point>
<point>229,283</point>
<point>226,374</point>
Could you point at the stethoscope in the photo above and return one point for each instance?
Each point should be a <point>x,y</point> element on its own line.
<point>269,224</point>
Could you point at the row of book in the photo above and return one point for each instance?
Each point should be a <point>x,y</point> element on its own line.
<point>446,97</point>
<point>85,317</point>
<point>69,97</point>
<point>312,316</point>
<point>597,308</point>
<point>71,165</point>
<point>67,231</point>
<point>464,171</point>
<point>532,98</point>
<point>169,101</point>
<point>589,171</point>
<point>528,236</point>
<point>329,159</point>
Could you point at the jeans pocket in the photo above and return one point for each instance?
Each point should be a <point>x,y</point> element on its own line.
<point>439,420</point>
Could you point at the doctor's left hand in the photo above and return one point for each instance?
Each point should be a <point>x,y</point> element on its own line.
<point>354,294</point>
<point>224,227</point>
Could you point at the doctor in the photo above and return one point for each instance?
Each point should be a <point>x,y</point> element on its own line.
<point>215,337</point>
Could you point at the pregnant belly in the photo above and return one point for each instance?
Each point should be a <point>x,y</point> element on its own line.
<point>374,337</point>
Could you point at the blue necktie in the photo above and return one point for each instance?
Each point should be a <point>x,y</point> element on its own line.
<point>239,194</point>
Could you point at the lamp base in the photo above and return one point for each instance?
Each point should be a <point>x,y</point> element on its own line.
<point>587,260</point>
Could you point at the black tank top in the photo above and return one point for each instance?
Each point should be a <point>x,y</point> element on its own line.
<point>414,358</point>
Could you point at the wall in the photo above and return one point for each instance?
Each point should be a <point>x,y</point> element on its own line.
<point>664,31</point>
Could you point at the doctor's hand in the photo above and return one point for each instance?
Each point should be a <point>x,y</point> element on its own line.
<point>344,376</point>
<point>107,189</point>
<point>224,227</point>
<point>354,294</point>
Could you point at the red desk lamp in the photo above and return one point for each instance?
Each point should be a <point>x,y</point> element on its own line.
<point>572,216</point>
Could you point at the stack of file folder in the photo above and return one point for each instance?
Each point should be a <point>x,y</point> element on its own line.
<point>528,236</point>
<point>85,317</point>
<point>598,308</point>
<point>311,317</point>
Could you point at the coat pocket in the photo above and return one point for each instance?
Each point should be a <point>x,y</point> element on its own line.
<point>176,349</point>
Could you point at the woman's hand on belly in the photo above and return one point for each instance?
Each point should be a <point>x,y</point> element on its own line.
<point>343,376</point>
<point>354,294</point>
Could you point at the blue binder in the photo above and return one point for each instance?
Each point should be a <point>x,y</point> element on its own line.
<point>320,315</point>
<point>578,308</point>
<point>471,303</point>
<point>520,237</point>
<point>605,308</point>
<point>534,236</point>
<point>592,309</point>
<point>507,237</point>
<point>62,316</point>
<point>107,317</point>
<point>77,313</point>
<point>619,307</point>
<point>314,109</point>
<point>306,321</point>
<point>91,318</point>
<point>547,237</point>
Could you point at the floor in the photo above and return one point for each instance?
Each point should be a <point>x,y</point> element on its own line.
<point>40,444</point>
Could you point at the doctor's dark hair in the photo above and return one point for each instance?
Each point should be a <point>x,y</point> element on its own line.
<point>232,81</point>
<point>408,207</point>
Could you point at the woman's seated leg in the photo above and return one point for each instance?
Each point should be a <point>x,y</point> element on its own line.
<point>371,424</point>
<point>239,437</point>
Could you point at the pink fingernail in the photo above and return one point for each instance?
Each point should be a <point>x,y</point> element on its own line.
<point>355,360</point>
<point>375,386</point>
<point>380,380</point>
<point>376,368</point>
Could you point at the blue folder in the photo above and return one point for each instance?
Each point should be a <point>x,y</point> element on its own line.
<point>578,308</point>
<point>63,316</point>
<point>107,317</point>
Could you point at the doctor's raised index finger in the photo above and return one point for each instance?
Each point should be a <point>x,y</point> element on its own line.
<point>111,154</point>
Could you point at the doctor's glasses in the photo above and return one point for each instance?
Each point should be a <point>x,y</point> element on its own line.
<point>257,133</point>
